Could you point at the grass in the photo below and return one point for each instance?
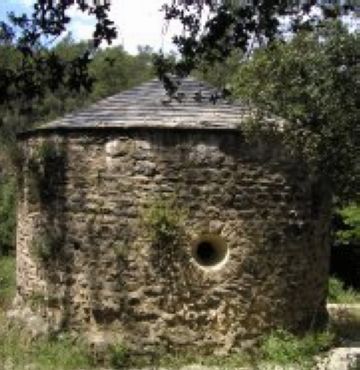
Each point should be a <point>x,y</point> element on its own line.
<point>17,351</point>
<point>232,361</point>
<point>339,294</point>
<point>118,356</point>
<point>7,281</point>
<point>277,348</point>
<point>283,348</point>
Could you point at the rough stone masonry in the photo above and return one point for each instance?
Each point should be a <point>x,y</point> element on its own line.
<point>253,253</point>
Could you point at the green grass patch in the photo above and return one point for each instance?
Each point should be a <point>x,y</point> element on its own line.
<point>339,294</point>
<point>7,281</point>
<point>284,348</point>
<point>18,350</point>
<point>232,361</point>
<point>62,353</point>
<point>118,356</point>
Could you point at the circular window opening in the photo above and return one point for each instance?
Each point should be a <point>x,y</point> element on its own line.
<point>210,251</point>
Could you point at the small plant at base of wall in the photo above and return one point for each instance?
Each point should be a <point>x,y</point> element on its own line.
<point>18,352</point>
<point>37,300</point>
<point>118,356</point>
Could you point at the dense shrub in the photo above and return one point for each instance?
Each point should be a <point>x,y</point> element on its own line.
<point>349,230</point>
<point>339,294</point>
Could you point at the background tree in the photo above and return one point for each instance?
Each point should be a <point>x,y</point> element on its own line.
<point>113,70</point>
<point>215,29</point>
<point>41,68</point>
<point>314,82</point>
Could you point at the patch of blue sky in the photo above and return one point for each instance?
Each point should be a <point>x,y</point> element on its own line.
<point>17,6</point>
<point>81,26</point>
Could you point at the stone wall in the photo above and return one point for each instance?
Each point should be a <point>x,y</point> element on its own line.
<point>85,258</point>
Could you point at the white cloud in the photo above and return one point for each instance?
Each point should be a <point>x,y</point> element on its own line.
<point>81,30</point>
<point>140,22</point>
<point>82,25</point>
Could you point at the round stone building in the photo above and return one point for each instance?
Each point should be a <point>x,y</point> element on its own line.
<point>154,219</point>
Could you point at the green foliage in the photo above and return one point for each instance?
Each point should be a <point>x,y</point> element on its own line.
<point>283,348</point>
<point>7,281</point>
<point>219,74</point>
<point>46,245</point>
<point>18,351</point>
<point>62,353</point>
<point>312,82</point>
<point>36,300</point>
<point>339,294</point>
<point>118,356</point>
<point>44,154</point>
<point>350,233</point>
<point>113,70</point>
<point>164,222</point>
<point>7,214</point>
<point>232,361</point>
<point>33,36</point>
<point>233,26</point>
<point>121,249</point>
<point>46,168</point>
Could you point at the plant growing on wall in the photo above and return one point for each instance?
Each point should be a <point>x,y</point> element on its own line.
<point>7,214</point>
<point>47,244</point>
<point>165,227</point>
<point>45,171</point>
<point>164,221</point>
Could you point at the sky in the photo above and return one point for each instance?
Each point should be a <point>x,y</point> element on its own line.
<point>139,22</point>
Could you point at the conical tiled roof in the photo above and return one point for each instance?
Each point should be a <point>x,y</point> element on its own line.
<point>197,106</point>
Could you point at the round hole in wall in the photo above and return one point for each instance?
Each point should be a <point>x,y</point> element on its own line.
<point>210,251</point>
